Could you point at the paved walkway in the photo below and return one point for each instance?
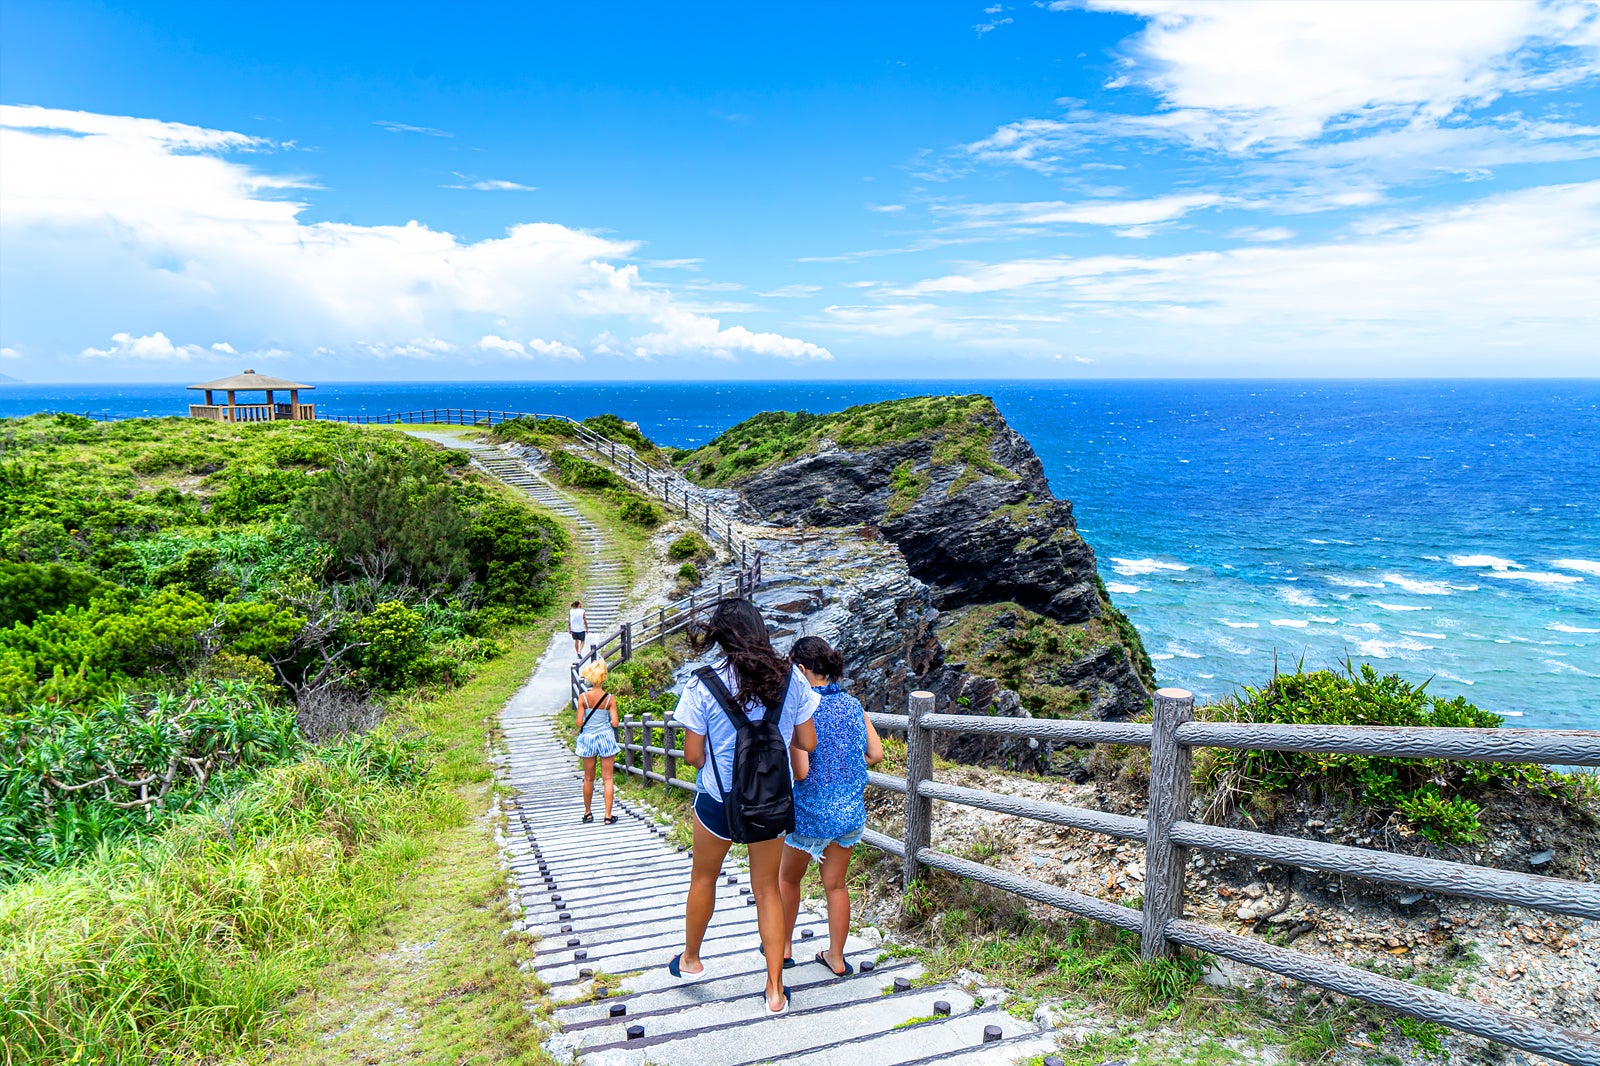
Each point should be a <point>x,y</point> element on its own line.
<point>609,900</point>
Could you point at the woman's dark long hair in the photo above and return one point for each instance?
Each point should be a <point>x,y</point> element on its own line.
<point>818,656</point>
<point>737,628</point>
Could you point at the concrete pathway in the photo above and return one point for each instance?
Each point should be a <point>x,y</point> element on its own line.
<point>608,900</point>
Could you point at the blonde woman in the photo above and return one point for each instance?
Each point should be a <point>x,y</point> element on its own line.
<point>597,735</point>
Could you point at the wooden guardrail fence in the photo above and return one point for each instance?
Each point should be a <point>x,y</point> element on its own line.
<point>1168,833</point>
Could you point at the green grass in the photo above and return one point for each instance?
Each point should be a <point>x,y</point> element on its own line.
<point>960,427</point>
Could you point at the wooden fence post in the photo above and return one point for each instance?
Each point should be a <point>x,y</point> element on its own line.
<point>919,768</point>
<point>627,756</point>
<point>627,641</point>
<point>648,760</point>
<point>661,626</point>
<point>669,761</point>
<point>1164,861</point>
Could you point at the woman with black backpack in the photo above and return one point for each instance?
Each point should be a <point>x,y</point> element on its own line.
<point>740,718</point>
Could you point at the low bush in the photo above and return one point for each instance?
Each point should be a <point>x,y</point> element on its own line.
<point>72,778</point>
<point>1435,794</point>
<point>632,507</point>
<point>691,547</point>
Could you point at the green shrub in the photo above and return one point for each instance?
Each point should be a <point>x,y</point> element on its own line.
<point>582,474</point>
<point>539,432</point>
<point>1429,792</point>
<point>691,546</point>
<point>632,507</point>
<point>71,778</point>
<point>393,642</point>
<point>615,428</point>
<point>389,517</point>
<point>30,589</point>
<point>515,554</point>
<point>689,574</point>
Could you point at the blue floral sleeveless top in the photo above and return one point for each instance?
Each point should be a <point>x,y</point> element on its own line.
<point>831,801</point>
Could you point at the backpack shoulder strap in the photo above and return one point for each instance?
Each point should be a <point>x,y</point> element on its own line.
<point>709,678</point>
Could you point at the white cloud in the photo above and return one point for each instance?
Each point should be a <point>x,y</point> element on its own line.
<point>123,218</point>
<point>153,348</point>
<point>10,353</point>
<point>1494,286</point>
<point>1241,73</point>
<point>491,343</point>
<point>886,209</point>
<point>490,185</point>
<point>224,347</point>
<point>792,292</point>
<point>401,127</point>
<point>554,349</point>
<point>1086,212</point>
<point>1261,234</point>
<point>682,333</point>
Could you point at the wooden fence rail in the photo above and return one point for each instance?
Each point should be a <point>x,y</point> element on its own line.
<point>1167,834</point>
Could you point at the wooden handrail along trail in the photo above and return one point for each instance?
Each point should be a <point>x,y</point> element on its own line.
<point>1167,834</point>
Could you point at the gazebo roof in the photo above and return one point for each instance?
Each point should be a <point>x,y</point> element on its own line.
<point>251,380</point>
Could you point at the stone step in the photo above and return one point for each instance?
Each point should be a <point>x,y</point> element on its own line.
<point>933,1041</point>
<point>670,994</point>
<point>1008,1051</point>
<point>740,1006</point>
<point>761,1038</point>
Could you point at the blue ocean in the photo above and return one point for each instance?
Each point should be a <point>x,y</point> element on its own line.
<point>1443,530</point>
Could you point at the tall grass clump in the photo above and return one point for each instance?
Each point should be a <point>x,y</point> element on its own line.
<point>181,945</point>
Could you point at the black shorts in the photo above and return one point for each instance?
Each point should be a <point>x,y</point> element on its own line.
<point>579,637</point>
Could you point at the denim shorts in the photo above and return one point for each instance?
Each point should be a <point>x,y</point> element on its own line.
<point>815,847</point>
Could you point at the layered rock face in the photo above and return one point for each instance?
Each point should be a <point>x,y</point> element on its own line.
<point>977,530</point>
<point>883,548</point>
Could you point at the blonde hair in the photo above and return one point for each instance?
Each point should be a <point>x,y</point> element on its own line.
<point>594,673</point>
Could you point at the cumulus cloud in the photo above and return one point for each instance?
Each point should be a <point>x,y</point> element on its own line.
<point>225,348</point>
<point>554,349</point>
<point>124,218</point>
<point>153,348</point>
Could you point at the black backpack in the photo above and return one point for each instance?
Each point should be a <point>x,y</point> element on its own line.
<point>760,803</point>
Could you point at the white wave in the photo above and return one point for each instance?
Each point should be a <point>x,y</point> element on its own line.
<point>1380,649</point>
<point>1540,577</point>
<point>1559,666</point>
<point>1295,598</point>
<point>1354,583</point>
<point>1370,627</point>
<point>1493,562</point>
<point>1159,656</point>
<point>1323,620</point>
<point>1208,677</point>
<point>1458,680</point>
<point>1400,606</point>
<point>1314,540</point>
<point>1118,586</point>
<point>1292,623</point>
<point>1183,653</point>
<point>1137,567</point>
<point>1425,588</point>
<point>1240,625</point>
<point>1425,636</point>
<point>1582,566</point>
<point>1228,645</point>
<point>1560,628</point>
<point>1506,714</point>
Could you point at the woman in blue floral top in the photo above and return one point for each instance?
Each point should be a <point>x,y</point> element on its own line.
<point>830,806</point>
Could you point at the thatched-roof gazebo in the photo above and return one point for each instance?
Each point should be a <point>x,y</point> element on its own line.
<point>252,411</point>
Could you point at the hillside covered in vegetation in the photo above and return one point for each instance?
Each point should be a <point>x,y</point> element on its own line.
<point>183,602</point>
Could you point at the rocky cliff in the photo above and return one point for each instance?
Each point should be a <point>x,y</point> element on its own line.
<point>922,538</point>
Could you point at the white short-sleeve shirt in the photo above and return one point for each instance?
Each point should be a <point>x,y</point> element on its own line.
<point>699,713</point>
<point>577,621</point>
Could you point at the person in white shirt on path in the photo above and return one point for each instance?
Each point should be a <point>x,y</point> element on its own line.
<point>578,626</point>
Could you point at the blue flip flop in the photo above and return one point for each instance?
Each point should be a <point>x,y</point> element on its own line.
<point>786,1002</point>
<point>677,971</point>
<point>822,957</point>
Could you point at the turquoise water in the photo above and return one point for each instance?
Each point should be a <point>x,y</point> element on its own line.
<point>1444,530</point>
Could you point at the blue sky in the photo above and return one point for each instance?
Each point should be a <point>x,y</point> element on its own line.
<point>1109,188</point>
